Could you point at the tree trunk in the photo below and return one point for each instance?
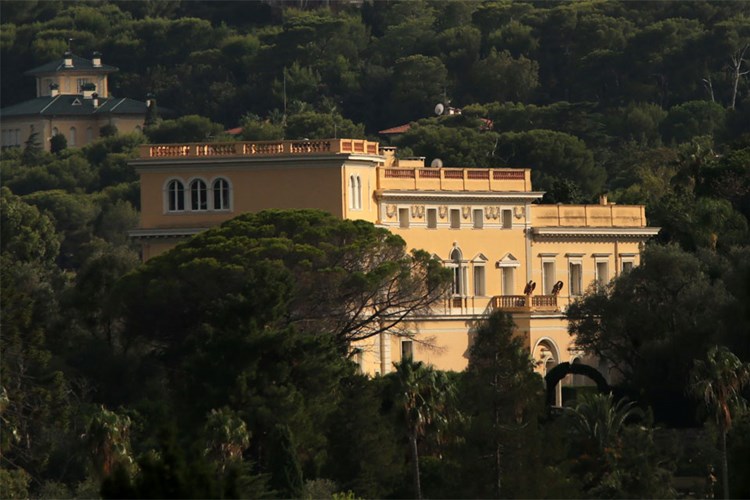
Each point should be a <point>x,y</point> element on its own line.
<point>724,464</point>
<point>737,61</point>
<point>415,464</point>
<point>498,455</point>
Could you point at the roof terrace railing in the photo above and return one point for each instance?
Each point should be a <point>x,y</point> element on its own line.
<point>259,148</point>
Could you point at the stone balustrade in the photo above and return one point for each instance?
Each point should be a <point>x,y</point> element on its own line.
<point>259,148</point>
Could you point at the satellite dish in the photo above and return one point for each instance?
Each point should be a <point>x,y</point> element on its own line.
<point>439,108</point>
<point>436,163</point>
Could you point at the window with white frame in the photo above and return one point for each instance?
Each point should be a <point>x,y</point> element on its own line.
<point>479,280</point>
<point>198,195</point>
<point>431,218</point>
<point>459,272</point>
<point>403,217</point>
<point>355,192</point>
<point>478,216</point>
<point>575,273</point>
<point>72,141</point>
<point>175,196</point>
<point>602,269</point>
<point>89,134</point>
<point>548,273</point>
<point>508,265</point>
<point>508,280</point>
<point>359,193</point>
<point>455,218</point>
<point>627,262</point>
<point>220,191</point>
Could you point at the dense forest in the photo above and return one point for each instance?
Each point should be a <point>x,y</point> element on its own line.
<point>123,380</point>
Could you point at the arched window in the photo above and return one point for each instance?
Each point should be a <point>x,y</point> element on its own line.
<point>72,136</point>
<point>55,131</point>
<point>359,193</point>
<point>221,194</point>
<point>198,195</point>
<point>89,135</point>
<point>176,196</point>
<point>459,270</point>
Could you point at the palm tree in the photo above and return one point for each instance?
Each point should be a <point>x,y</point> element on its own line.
<point>599,420</point>
<point>422,393</point>
<point>108,440</point>
<point>718,382</point>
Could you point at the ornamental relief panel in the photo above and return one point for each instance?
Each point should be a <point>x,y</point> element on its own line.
<point>417,211</point>
<point>466,212</point>
<point>390,211</point>
<point>519,212</point>
<point>443,211</point>
<point>491,213</point>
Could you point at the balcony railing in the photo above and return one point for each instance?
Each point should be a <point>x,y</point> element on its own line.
<point>466,304</point>
<point>259,148</point>
<point>525,302</point>
<point>454,179</point>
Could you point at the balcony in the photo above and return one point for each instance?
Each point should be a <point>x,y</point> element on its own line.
<point>258,148</point>
<point>508,303</point>
<point>525,303</point>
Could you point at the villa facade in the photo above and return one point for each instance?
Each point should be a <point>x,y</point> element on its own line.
<point>506,251</point>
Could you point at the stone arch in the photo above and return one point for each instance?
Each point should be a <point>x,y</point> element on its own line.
<point>554,376</point>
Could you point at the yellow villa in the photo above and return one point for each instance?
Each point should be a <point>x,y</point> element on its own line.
<point>506,251</point>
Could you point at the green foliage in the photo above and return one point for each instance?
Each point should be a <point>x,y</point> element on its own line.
<point>691,119</point>
<point>552,155</point>
<point>58,143</point>
<point>503,399</point>
<point>652,322</point>
<point>191,128</point>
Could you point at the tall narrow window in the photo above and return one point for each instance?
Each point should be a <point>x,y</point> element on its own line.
<point>221,194</point>
<point>431,218</point>
<point>176,194</point>
<point>602,273</point>
<point>478,216</point>
<point>72,136</point>
<point>627,266</point>
<point>198,195</point>
<point>403,217</point>
<point>458,272</point>
<point>508,281</point>
<point>359,193</point>
<point>89,135</point>
<point>407,350</point>
<point>352,193</point>
<point>548,276</point>
<point>507,219</point>
<point>575,272</point>
<point>455,218</point>
<point>479,288</point>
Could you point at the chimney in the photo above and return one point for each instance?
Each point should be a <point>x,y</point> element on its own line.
<point>603,199</point>
<point>95,100</point>
<point>54,89</point>
<point>68,59</point>
<point>96,59</point>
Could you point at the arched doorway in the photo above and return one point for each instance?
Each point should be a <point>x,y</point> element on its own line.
<point>553,377</point>
<point>546,353</point>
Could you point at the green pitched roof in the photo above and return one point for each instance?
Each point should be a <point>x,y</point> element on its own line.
<point>79,64</point>
<point>74,105</point>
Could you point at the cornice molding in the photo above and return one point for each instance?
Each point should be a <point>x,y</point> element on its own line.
<point>577,233</point>
<point>170,164</point>
<point>464,196</point>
